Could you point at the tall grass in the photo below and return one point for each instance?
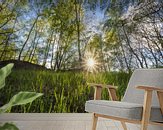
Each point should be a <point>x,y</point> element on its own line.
<point>63,91</point>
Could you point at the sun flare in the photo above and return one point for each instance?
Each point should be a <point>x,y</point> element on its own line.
<point>90,62</point>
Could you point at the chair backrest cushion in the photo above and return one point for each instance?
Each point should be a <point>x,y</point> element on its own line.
<point>146,77</point>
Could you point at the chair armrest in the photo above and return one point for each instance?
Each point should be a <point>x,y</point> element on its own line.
<point>102,86</point>
<point>150,88</point>
<point>98,90</point>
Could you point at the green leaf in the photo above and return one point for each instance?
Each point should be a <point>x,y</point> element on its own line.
<point>4,72</point>
<point>8,126</point>
<point>20,99</point>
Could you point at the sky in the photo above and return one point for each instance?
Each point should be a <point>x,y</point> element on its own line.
<point>94,18</point>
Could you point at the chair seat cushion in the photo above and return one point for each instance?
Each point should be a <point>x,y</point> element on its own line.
<point>131,111</point>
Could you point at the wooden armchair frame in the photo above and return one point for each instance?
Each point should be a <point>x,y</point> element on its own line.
<point>146,107</point>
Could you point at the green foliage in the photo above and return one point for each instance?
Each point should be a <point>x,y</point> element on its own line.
<point>8,126</point>
<point>95,42</point>
<point>20,99</point>
<point>63,91</point>
<point>4,72</point>
<point>111,37</point>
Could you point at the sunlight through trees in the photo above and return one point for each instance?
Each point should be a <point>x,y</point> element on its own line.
<point>58,34</point>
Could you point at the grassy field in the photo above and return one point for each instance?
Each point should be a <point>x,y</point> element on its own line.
<point>63,91</point>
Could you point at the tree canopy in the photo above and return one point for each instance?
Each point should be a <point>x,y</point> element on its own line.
<point>123,35</point>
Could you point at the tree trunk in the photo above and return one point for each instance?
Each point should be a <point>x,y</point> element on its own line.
<point>32,46</point>
<point>34,50</point>
<point>77,12</point>
<point>48,48</point>
<point>7,41</point>
<point>52,55</point>
<point>131,49</point>
<point>20,54</point>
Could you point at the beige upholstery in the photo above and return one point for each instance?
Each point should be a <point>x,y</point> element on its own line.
<point>131,111</point>
<point>143,77</point>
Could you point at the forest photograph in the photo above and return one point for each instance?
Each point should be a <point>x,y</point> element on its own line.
<point>53,53</point>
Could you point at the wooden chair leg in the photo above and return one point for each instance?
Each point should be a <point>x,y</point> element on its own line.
<point>146,110</point>
<point>94,121</point>
<point>160,98</point>
<point>124,125</point>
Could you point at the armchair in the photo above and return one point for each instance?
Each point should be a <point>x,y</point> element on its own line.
<point>141,104</point>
